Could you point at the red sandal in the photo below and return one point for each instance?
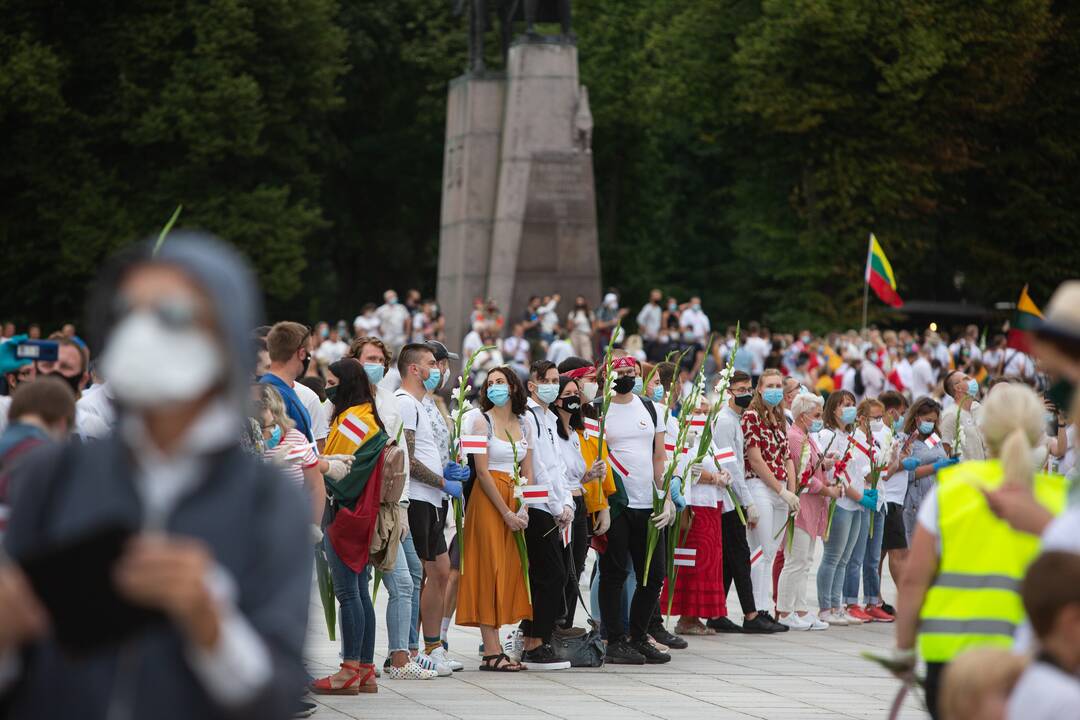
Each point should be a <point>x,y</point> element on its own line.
<point>325,686</point>
<point>367,682</point>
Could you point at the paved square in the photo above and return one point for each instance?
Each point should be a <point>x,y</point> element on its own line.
<point>787,676</point>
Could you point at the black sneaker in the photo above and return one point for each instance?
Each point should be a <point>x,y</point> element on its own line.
<point>620,652</point>
<point>542,658</point>
<point>888,608</point>
<point>304,709</point>
<point>651,654</point>
<point>662,636</point>
<point>723,625</point>
<point>761,625</point>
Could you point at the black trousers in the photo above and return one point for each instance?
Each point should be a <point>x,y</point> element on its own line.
<point>547,574</point>
<point>933,687</point>
<point>629,534</point>
<point>737,560</point>
<point>574,554</point>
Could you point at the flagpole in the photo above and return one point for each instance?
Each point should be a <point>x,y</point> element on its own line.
<point>866,279</point>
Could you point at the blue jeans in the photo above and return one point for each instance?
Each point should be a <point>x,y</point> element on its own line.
<point>834,561</point>
<point>865,560</point>
<point>357,612</point>
<point>399,606</point>
<point>628,592</point>
<point>416,570</point>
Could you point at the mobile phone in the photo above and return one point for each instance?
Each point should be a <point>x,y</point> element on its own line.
<point>47,350</point>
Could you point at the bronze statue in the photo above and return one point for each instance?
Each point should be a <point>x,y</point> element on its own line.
<point>507,12</point>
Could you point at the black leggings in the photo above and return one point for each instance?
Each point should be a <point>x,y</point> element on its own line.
<point>737,560</point>
<point>628,534</point>
<point>575,554</point>
<point>547,574</point>
<point>933,687</point>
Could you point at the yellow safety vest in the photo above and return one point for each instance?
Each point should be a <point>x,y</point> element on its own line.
<point>975,598</point>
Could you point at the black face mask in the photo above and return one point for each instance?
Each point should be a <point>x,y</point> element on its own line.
<point>570,404</point>
<point>1060,393</point>
<point>331,392</point>
<point>743,401</point>
<point>624,384</point>
<point>72,381</point>
<point>307,361</point>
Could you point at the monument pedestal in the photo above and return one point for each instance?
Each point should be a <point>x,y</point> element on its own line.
<point>519,205</point>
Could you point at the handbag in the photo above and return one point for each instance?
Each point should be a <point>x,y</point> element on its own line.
<point>585,650</point>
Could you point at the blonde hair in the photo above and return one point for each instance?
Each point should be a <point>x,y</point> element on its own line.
<point>973,677</point>
<point>773,416</point>
<point>268,398</point>
<point>1012,423</point>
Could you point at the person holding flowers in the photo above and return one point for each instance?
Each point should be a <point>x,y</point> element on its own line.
<point>813,490</point>
<point>872,442</point>
<point>770,477</point>
<point>635,440</point>
<point>493,590</point>
<point>921,456</point>
<point>846,512</point>
<point>960,431</point>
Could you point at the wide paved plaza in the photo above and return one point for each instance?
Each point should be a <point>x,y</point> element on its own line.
<point>787,676</point>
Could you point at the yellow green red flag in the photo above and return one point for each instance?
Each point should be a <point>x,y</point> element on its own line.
<point>879,274</point>
<point>1024,321</point>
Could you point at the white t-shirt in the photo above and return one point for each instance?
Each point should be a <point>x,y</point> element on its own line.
<point>320,424</point>
<point>856,473</point>
<point>366,325</point>
<point>630,433</point>
<point>1018,364</point>
<point>392,321</point>
<point>695,322</point>
<point>5,406</point>
<point>415,418</point>
<point>1045,693</point>
<point>517,349</point>
<point>973,447</point>
<point>759,348</point>
<point>97,401</point>
<point>922,378</point>
<point>559,350</point>
<point>330,351</point>
<point>860,462</point>
<point>573,460</point>
<point>471,344</point>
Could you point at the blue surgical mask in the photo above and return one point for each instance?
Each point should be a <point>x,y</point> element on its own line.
<point>847,415</point>
<point>374,372</point>
<point>926,427</point>
<point>433,379</point>
<point>547,392</point>
<point>773,396</point>
<point>672,307</point>
<point>816,426</point>
<point>658,393</point>
<point>898,426</point>
<point>973,387</point>
<point>274,439</point>
<point>639,385</point>
<point>498,394</point>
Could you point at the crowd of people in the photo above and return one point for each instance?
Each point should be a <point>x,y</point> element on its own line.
<point>196,459</point>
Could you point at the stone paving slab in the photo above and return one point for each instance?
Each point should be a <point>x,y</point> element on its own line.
<point>777,677</point>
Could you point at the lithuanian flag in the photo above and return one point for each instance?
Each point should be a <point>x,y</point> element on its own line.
<point>1024,320</point>
<point>879,274</point>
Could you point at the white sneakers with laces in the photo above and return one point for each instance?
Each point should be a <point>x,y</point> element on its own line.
<point>794,622</point>
<point>410,671</point>
<point>815,622</point>
<point>514,645</point>
<point>441,657</point>
<point>828,616</point>
<point>430,663</point>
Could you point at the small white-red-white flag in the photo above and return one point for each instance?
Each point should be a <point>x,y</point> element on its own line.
<point>474,444</point>
<point>933,440</point>
<point>535,494</point>
<point>725,455</point>
<point>565,532</point>
<point>295,452</point>
<point>592,428</point>
<point>755,555</point>
<point>618,466</point>
<point>685,557</point>
<point>697,421</point>
<point>669,448</point>
<point>352,427</point>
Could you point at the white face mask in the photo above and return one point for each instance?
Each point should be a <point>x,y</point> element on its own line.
<point>876,426</point>
<point>151,365</point>
<point>588,391</point>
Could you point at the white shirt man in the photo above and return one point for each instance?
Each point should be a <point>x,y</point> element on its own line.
<point>695,323</point>
<point>393,321</point>
<point>972,446</point>
<point>559,350</point>
<point>331,350</point>
<point>648,319</point>
<point>366,325</point>
<point>1018,364</point>
<point>923,378</point>
<point>760,348</point>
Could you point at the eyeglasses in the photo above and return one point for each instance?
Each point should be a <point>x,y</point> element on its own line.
<point>177,313</point>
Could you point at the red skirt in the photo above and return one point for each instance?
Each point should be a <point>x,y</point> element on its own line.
<point>699,590</point>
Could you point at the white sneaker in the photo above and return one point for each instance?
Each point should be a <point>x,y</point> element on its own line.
<point>441,657</point>
<point>832,618</point>
<point>851,620</point>
<point>429,663</point>
<point>815,622</point>
<point>410,671</point>
<point>794,622</point>
<point>514,645</point>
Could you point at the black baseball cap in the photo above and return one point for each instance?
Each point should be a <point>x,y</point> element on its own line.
<point>440,351</point>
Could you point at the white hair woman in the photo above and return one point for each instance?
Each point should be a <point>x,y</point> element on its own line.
<point>812,516</point>
<point>960,587</point>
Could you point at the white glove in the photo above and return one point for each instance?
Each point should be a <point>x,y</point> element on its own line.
<point>722,478</point>
<point>603,522</point>
<point>565,517</point>
<point>753,517</point>
<point>316,534</point>
<point>596,471</point>
<point>337,470</point>
<point>791,499</point>
<point>278,456</point>
<point>666,516</point>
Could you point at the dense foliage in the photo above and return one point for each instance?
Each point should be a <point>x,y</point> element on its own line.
<point>744,149</point>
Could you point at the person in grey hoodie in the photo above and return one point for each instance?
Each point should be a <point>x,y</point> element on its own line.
<point>218,562</point>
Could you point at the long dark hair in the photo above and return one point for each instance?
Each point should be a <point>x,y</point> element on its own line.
<point>517,391</point>
<point>836,398</point>
<point>923,406</point>
<point>353,387</point>
<point>575,422</point>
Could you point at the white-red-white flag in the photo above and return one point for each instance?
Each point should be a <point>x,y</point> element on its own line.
<point>685,557</point>
<point>474,444</point>
<point>352,427</point>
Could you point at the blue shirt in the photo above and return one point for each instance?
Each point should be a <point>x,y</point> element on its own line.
<point>293,407</point>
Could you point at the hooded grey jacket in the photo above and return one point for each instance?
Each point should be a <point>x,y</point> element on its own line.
<point>253,521</point>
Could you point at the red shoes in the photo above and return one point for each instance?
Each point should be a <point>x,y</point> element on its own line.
<point>361,681</point>
<point>858,613</point>
<point>878,615</point>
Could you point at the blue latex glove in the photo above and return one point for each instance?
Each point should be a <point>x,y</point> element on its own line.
<point>945,463</point>
<point>869,499</point>
<point>9,363</point>
<point>455,472</point>
<point>452,488</point>
<point>910,463</point>
<point>676,494</point>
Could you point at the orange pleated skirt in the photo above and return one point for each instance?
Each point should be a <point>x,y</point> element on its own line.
<point>492,589</point>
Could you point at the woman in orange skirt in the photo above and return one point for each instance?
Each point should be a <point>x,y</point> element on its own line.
<point>492,591</point>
